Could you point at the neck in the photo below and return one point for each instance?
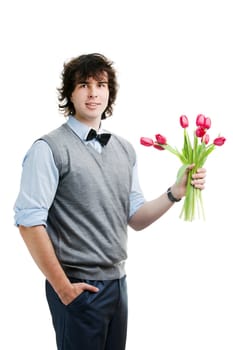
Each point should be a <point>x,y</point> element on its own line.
<point>92,123</point>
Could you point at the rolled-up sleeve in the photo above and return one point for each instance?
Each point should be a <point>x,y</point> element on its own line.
<point>136,196</point>
<point>39,181</point>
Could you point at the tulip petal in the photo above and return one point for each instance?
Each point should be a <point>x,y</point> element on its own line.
<point>146,141</point>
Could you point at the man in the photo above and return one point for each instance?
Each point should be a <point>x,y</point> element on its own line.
<point>79,192</point>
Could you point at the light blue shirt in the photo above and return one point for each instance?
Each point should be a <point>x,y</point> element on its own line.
<point>40,179</point>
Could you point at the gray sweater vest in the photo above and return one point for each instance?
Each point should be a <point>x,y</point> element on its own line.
<point>87,221</point>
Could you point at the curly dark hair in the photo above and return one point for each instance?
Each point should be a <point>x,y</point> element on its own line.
<point>79,69</point>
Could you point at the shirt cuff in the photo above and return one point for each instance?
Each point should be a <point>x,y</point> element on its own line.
<point>31,217</point>
<point>136,201</point>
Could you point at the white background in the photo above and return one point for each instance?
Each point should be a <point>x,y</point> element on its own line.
<point>172,58</point>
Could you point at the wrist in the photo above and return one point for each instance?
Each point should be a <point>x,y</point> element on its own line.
<point>173,197</point>
<point>63,287</point>
<point>67,294</point>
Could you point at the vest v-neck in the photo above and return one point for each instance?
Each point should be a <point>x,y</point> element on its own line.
<point>88,146</point>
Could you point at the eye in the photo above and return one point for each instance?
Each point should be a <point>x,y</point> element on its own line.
<point>103,84</point>
<point>82,85</point>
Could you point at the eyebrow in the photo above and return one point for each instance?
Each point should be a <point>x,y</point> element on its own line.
<point>98,81</point>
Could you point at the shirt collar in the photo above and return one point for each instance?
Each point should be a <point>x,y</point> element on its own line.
<point>78,127</point>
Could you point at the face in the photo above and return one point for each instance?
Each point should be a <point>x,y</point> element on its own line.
<point>90,99</point>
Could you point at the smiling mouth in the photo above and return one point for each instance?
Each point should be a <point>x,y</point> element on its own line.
<point>92,104</point>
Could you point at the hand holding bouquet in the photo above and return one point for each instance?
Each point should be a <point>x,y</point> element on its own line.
<point>191,153</point>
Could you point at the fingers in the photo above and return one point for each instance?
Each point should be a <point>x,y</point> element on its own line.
<point>198,183</point>
<point>199,175</point>
<point>85,286</point>
<point>78,289</point>
<point>198,179</point>
<point>74,290</point>
<point>190,167</point>
<point>201,172</point>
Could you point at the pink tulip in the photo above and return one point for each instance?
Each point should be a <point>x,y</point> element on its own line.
<point>205,139</point>
<point>219,141</point>
<point>184,122</point>
<point>200,120</point>
<point>146,141</point>
<point>161,139</point>
<point>200,132</point>
<point>207,123</point>
<point>157,146</point>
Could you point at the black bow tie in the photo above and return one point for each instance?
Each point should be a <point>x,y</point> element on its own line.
<point>102,138</point>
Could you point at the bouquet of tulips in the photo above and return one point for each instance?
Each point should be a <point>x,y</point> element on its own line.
<point>192,152</point>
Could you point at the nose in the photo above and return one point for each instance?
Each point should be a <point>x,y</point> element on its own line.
<point>92,91</point>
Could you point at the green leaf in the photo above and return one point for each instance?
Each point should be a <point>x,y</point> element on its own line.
<point>181,172</point>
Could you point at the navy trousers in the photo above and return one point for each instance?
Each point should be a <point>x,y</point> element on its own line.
<point>93,321</point>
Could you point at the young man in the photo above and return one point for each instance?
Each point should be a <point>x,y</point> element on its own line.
<point>79,192</point>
